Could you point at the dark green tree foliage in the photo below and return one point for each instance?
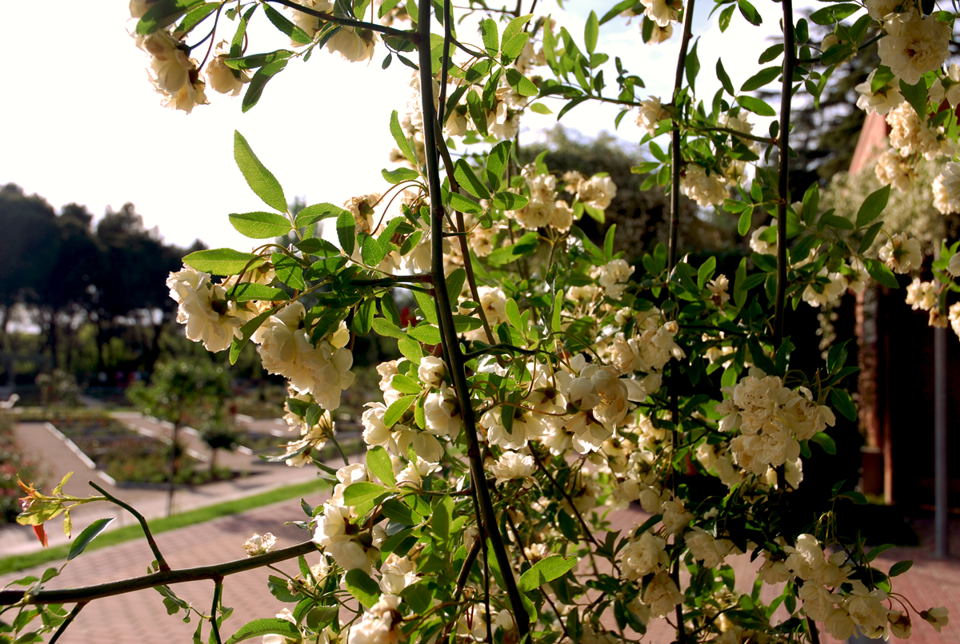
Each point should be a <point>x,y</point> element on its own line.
<point>29,245</point>
<point>67,273</point>
<point>640,215</point>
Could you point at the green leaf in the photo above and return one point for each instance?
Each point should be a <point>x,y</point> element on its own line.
<point>360,585</point>
<point>756,106</point>
<point>491,39</point>
<point>462,203</point>
<point>317,212</point>
<point>89,534</point>
<point>261,627</point>
<point>260,225</point>
<point>705,272</point>
<point>749,12</point>
<point>509,201</point>
<point>900,567</point>
<point>387,329</point>
<point>872,206</point>
<point>843,403</point>
<point>760,79</point>
<point>249,292</point>
<point>833,14</point>
<point>724,20</point>
<point>826,443</point>
<point>916,95</point>
<point>372,251</point>
<point>258,60</point>
<point>400,175</point>
<point>558,299</point>
<point>514,38</point>
<point>162,13</point>
<point>590,32</point>
<point>255,87</point>
<point>497,162</point>
<point>221,261</point>
<point>523,85</point>
<point>236,346</point>
<point>469,181</point>
<point>401,139</point>
<point>362,492</point>
<point>346,231</point>
<point>295,33</point>
<point>378,464</point>
<point>881,273</point>
<point>397,409</point>
<point>724,78</point>
<point>691,64</point>
<point>260,180</point>
<point>194,17</point>
<point>425,333</point>
<point>546,570</point>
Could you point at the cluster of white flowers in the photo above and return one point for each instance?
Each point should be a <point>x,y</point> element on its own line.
<point>612,277</point>
<point>203,307</point>
<point>313,436</point>
<point>651,113</point>
<point>596,192</point>
<point>174,73</point>
<point>879,101</point>
<point>336,532</point>
<point>706,188</point>
<point>662,12</point>
<point>913,44</point>
<point>946,189</point>
<point>259,544</point>
<point>770,420</point>
<point>542,209</point>
<point>901,253</point>
<point>321,369</point>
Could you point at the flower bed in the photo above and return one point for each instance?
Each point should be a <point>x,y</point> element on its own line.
<point>130,457</point>
<point>12,464</point>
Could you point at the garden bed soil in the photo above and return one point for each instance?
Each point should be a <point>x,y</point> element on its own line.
<point>129,457</point>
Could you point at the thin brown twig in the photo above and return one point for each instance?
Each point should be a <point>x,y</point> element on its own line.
<point>164,577</point>
<point>161,562</point>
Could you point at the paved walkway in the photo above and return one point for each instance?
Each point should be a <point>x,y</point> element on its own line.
<point>56,458</point>
<point>140,617</point>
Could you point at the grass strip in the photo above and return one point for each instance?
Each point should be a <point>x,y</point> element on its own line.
<point>165,524</point>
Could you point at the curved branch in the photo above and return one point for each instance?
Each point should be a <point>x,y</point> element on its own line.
<point>163,578</point>
<point>161,562</point>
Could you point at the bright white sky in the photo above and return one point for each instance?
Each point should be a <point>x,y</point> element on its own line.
<point>81,122</point>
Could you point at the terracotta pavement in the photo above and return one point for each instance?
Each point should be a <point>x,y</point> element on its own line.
<point>141,617</point>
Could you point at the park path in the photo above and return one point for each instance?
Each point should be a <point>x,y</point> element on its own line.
<point>140,617</point>
<point>56,458</point>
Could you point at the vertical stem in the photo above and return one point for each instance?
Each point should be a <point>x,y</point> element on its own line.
<point>941,489</point>
<point>783,187</point>
<point>217,594</point>
<point>69,620</point>
<point>451,345</point>
<point>676,160</point>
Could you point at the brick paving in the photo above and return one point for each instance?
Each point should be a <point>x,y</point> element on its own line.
<point>140,617</point>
